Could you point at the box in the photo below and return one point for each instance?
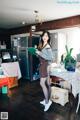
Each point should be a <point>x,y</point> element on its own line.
<point>12,82</point>
<point>65,84</point>
<point>4,90</point>
<point>59,95</point>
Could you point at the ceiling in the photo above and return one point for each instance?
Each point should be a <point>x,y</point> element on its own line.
<point>14,12</point>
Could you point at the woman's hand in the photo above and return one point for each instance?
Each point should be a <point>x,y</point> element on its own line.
<point>37,52</point>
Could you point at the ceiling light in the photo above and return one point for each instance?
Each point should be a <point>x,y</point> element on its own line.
<point>18,38</point>
<point>23,22</point>
<point>36,16</point>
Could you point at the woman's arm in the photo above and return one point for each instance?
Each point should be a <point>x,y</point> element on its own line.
<point>47,54</point>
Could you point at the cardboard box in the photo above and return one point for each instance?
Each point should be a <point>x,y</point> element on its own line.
<point>59,95</point>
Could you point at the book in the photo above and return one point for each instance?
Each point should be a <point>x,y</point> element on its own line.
<point>32,50</point>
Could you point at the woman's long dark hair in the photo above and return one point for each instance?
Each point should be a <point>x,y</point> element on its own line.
<point>41,41</point>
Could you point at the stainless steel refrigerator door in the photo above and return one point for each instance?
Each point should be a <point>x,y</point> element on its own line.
<point>19,45</point>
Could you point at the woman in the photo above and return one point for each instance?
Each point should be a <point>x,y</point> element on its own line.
<point>46,57</point>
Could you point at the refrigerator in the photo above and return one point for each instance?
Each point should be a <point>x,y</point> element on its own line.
<point>28,64</point>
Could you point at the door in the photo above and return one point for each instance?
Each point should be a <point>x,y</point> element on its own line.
<point>23,56</point>
<point>35,68</point>
<point>19,45</point>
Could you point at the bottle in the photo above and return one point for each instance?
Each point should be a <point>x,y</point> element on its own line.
<point>35,76</point>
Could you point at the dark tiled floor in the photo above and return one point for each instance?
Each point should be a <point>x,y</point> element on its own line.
<point>22,103</point>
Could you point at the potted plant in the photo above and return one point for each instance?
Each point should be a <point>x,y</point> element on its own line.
<point>69,61</point>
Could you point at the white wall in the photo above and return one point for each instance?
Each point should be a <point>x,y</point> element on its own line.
<point>73,40</point>
<point>61,45</point>
<point>69,36</point>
